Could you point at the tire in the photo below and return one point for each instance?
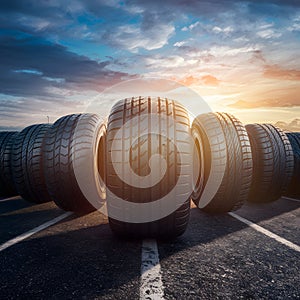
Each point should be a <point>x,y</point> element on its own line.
<point>173,133</point>
<point>294,187</point>
<point>72,162</point>
<point>27,164</point>
<point>6,182</point>
<point>273,162</point>
<point>225,174</point>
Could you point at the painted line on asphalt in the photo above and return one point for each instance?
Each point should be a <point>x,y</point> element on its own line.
<point>31,232</point>
<point>11,198</point>
<point>266,232</point>
<point>291,199</point>
<point>151,281</point>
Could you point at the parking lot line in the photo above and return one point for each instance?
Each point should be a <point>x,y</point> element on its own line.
<point>151,282</point>
<point>266,232</point>
<point>33,231</point>
<point>291,199</point>
<point>10,198</point>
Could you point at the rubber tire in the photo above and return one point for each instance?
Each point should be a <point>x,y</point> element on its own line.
<point>27,164</point>
<point>273,162</point>
<point>176,223</point>
<point>72,140</point>
<point>224,143</point>
<point>294,187</point>
<point>6,182</point>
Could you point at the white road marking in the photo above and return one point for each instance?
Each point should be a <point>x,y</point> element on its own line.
<point>266,232</point>
<point>291,199</point>
<point>11,198</point>
<point>31,232</point>
<point>151,282</point>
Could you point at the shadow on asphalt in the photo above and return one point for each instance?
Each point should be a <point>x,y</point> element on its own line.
<point>12,205</point>
<point>265,211</point>
<point>89,262</point>
<point>204,228</point>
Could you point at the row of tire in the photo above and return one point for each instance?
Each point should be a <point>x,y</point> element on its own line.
<point>43,162</point>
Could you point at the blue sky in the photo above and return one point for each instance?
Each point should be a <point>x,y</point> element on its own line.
<point>240,56</point>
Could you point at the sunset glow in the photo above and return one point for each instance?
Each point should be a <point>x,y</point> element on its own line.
<point>239,56</point>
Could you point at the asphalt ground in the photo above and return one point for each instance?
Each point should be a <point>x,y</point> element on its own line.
<point>219,257</point>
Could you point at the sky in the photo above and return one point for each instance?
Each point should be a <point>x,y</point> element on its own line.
<point>60,57</point>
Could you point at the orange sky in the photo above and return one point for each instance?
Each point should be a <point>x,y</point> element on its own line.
<point>238,56</point>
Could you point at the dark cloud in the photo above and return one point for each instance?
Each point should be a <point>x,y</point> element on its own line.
<point>18,84</point>
<point>32,66</point>
<point>101,21</point>
<point>207,5</point>
<point>85,20</point>
<point>103,7</point>
<point>31,7</point>
<point>212,8</point>
<point>41,73</point>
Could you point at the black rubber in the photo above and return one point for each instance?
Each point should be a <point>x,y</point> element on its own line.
<point>27,164</point>
<point>225,152</point>
<point>273,162</point>
<point>141,151</point>
<point>72,140</point>
<point>6,182</point>
<point>293,190</point>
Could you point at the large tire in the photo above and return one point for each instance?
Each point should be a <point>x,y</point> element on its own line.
<point>273,162</point>
<point>294,187</point>
<point>225,174</point>
<point>6,182</point>
<point>143,146</point>
<point>71,162</point>
<point>27,164</point>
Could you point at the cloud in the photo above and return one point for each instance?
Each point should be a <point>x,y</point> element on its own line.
<point>203,80</point>
<point>179,44</point>
<point>277,72</point>
<point>261,103</point>
<point>249,48</point>
<point>132,38</point>
<point>19,112</point>
<point>34,67</point>
<point>40,78</point>
<point>105,22</point>
<point>295,26</point>
<point>293,126</point>
<point>161,62</point>
<point>210,80</point>
<point>226,30</point>
<point>191,27</point>
<point>268,34</point>
<point>152,32</point>
<point>213,8</point>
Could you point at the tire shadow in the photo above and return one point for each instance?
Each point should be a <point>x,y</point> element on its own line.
<point>86,263</point>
